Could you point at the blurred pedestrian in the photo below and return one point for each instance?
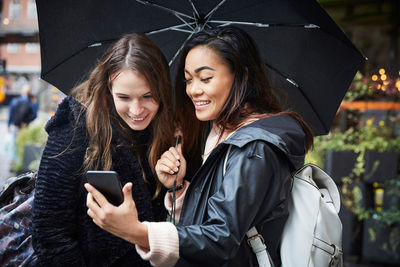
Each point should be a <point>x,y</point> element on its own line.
<point>120,120</point>
<point>221,80</point>
<point>22,111</point>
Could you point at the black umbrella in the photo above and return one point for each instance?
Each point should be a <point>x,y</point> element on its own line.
<point>310,57</point>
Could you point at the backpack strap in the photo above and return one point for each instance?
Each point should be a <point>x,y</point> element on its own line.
<point>257,244</point>
<point>254,239</point>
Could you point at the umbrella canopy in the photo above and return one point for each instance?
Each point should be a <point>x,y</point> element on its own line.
<point>308,56</point>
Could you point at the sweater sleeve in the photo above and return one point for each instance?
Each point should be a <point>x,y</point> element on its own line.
<point>164,244</point>
<point>163,237</point>
<point>55,226</point>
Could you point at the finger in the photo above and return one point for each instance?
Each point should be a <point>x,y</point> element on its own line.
<point>97,196</point>
<point>172,154</point>
<point>168,165</point>
<point>91,214</point>
<point>93,208</point>
<point>182,158</point>
<point>127,190</point>
<point>92,204</point>
<point>179,149</point>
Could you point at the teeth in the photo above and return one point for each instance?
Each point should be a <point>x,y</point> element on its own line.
<point>136,119</point>
<point>202,103</point>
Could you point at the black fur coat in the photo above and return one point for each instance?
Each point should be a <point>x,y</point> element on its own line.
<point>63,233</point>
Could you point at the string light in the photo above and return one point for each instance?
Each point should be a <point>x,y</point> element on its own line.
<point>382,71</point>
<point>383,77</point>
<point>398,85</point>
<point>374,77</point>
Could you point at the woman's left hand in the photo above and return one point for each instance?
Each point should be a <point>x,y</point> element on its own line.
<point>121,221</point>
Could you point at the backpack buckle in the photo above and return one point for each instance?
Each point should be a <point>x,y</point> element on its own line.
<point>254,237</point>
<point>335,256</point>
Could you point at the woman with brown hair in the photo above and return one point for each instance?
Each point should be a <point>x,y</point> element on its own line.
<point>120,120</point>
<point>249,154</point>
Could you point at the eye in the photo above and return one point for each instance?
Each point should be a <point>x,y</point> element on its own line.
<point>187,80</point>
<point>123,97</point>
<point>148,96</point>
<point>205,80</point>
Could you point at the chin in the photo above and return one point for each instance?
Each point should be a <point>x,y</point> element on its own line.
<point>138,127</point>
<point>202,117</point>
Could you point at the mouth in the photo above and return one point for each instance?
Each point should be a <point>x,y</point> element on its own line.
<point>136,119</point>
<point>201,103</point>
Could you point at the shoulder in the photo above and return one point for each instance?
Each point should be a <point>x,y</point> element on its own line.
<point>70,113</point>
<point>257,149</point>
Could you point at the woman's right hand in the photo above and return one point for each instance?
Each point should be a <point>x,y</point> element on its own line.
<point>171,164</point>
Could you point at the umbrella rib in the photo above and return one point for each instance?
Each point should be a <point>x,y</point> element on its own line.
<point>179,50</point>
<point>178,14</point>
<point>225,22</point>
<point>173,28</point>
<point>208,16</point>
<point>94,44</point>
<point>263,25</point>
<point>194,8</point>
<point>301,92</point>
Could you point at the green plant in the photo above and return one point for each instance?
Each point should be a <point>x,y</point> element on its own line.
<point>379,137</point>
<point>33,134</point>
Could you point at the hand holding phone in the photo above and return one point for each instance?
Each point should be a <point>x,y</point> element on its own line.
<point>107,183</point>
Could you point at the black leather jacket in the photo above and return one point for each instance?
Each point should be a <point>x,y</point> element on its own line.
<point>218,210</point>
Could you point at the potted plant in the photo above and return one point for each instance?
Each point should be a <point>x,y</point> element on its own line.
<point>29,146</point>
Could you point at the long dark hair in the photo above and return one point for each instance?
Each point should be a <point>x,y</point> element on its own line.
<point>250,96</point>
<point>133,52</point>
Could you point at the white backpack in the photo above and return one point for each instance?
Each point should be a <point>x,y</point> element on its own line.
<point>312,235</point>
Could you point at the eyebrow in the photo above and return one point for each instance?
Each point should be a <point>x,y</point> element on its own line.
<point>200,69</point>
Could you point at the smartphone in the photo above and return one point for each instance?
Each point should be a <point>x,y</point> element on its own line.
<point>107,182</point>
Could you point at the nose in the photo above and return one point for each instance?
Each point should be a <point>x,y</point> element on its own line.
<point>135,107</point>
<point>193,88</point>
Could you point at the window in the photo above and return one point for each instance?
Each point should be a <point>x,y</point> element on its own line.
<point>15,9</point>
<point>32,9</point>
<point>31,48</point>
<point>12,48</point>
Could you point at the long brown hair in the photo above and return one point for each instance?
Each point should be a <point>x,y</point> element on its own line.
<point>133,52</point>
<point>251,94</point>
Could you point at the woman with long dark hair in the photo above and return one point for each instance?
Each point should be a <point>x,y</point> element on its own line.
<point>249,154</point>
<point>120,120</point>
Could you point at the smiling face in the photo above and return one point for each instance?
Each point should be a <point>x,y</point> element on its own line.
<point>133,99</point>
<point>208,81</point>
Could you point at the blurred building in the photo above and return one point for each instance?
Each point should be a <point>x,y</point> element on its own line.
<point>19,37</point>
<point>20,52</point>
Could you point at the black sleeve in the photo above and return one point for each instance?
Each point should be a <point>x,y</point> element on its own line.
<point>55,238</point>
